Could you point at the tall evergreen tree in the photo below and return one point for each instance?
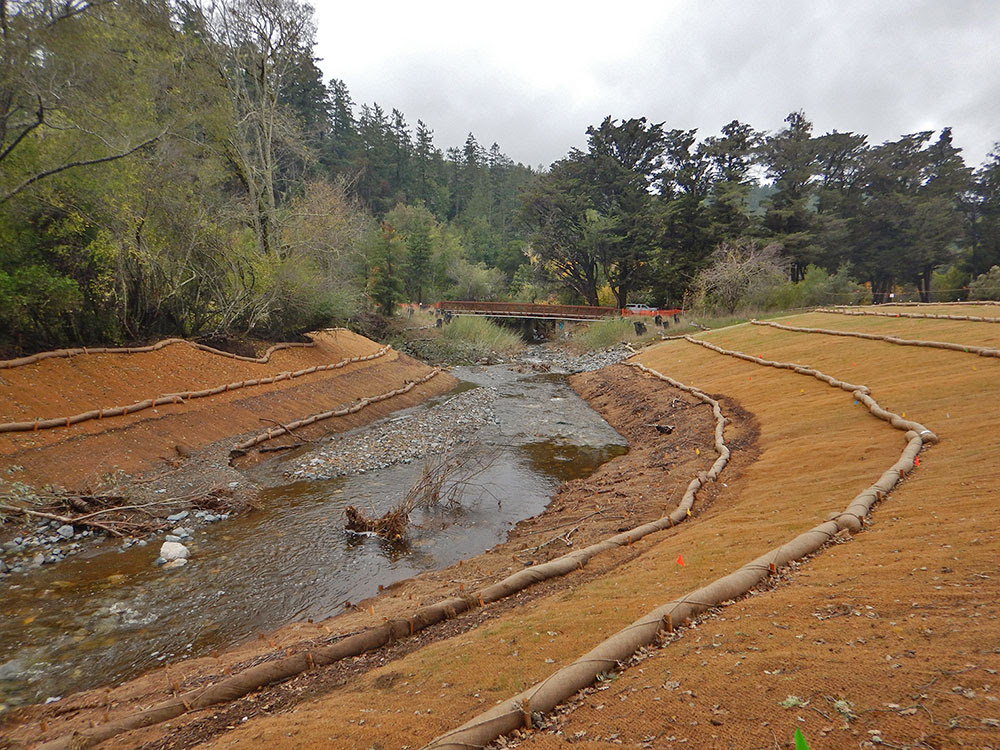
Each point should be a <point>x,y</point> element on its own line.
<point>344,140</point>
<point>789,157</point>
<point>624,160</point>
<point>402,151</point>
<point>983,212</point>
<point>907,218</point>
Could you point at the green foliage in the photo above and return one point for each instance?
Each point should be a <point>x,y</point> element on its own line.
<point>34,303</point>
<point>817,287</point>
<point>603,334</point>
<point>529,284</point>
<point>983,215</point>
<point>386,282</point>
<point>474,281</point>
<point>592,214</point>
<point>949,285</point>
<point>416,226</point>
<point>986,285</point>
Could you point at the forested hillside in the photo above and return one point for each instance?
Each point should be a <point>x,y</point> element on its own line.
<point>180,168</point>
<point>174,167</point>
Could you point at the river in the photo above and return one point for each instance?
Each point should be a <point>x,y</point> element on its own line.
<point>105,615</point>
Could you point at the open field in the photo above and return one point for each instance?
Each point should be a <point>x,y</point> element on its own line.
<point>887,638</point>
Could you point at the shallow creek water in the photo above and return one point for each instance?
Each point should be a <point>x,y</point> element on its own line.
<point>105,615</point>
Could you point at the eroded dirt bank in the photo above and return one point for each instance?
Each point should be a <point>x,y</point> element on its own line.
<point>92,453</point>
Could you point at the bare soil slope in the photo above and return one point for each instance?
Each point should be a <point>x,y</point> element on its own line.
<point>889,634</point>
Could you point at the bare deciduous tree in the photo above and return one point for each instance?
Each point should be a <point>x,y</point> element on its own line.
<point>258,45</point>
<point>740,272</point>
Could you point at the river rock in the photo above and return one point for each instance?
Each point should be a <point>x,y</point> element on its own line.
<point>66,531</point>
<point>13,669</point>
<point>178,516</point>
<point>179,562</point>
<point>174,551</point>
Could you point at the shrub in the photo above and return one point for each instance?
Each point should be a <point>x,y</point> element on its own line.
<point>818,287</point>
<point>33,301</point>
<point>741,274</point>
<point>986,285</point>
<point>950,285</point>
<point>476,281</point>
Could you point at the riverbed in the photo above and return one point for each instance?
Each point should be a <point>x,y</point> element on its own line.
<point>107,615</point>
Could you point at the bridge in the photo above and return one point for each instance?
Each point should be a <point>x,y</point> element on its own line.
<point>527,311</point>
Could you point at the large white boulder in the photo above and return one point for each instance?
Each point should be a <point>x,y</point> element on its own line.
<point>174,551</point>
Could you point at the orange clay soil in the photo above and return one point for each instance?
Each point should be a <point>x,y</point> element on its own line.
<point>890,638</point>
<point>86,454</point>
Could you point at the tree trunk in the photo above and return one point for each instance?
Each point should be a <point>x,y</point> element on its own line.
<point>881,288</point>
<point>924,283</point>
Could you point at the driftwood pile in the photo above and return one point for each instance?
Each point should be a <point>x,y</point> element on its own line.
<point>443,481</point>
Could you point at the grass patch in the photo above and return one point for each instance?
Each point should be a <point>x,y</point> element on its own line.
<point>722,321</point>
<point>481,334</point>
<point>467,339</point>
<point>603,334</point>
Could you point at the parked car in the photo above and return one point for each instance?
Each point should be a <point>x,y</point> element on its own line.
<point>639,308</point>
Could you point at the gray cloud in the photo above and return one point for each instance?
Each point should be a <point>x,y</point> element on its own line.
<point>534,81</point>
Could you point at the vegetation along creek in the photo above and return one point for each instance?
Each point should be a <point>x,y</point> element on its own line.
<point>110,614</point>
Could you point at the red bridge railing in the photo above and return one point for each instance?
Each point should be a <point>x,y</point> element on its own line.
<point>525,310</point>
<point>560,312</point>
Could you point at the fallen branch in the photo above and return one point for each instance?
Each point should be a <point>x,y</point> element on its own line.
<point>273,448</point>
<point>287,429</point>
<point>564,538</point>
<point>568,523</point>
<point>61,519</point>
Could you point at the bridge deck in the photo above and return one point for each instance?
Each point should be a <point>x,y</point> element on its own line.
<point>541,312</point>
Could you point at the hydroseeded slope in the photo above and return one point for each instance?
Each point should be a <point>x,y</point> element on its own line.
<point>874,621</point>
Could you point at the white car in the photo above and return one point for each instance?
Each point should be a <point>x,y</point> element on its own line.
<point>639,308</point>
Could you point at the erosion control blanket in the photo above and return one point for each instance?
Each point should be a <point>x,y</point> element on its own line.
<point>517,712</point>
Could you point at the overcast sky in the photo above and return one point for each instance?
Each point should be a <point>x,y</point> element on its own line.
<point>532,76</point>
